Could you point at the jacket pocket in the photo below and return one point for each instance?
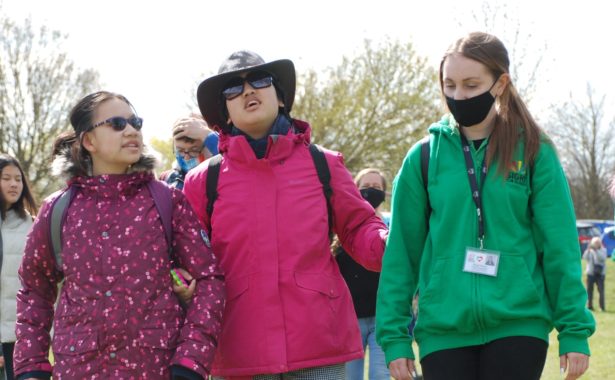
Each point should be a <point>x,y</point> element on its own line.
<point>325,286</point>
<point>512,294</point>
<point>321,316</point>
<point>445,303</point>
<point>75,344</point>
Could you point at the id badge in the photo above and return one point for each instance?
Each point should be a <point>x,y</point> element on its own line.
<point>481,261</point>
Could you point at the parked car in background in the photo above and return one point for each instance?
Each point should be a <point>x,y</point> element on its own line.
<point>586,232</point>
<point>608,240</point>
<point>600,223</point>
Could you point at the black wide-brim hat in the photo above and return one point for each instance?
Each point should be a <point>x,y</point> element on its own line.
<point>209,93</point>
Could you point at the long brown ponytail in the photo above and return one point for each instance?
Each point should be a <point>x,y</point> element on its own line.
<point>513,116</point>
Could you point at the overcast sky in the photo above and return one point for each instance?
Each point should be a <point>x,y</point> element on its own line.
<point>156,52</point>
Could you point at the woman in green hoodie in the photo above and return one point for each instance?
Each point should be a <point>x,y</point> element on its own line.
<point>491,244</point>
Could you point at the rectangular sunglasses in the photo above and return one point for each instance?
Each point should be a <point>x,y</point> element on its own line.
<point>256,79</point>
<point>119,123</point>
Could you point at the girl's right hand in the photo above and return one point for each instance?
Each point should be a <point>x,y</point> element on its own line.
<point>184,293</point>
<point>402,369</point>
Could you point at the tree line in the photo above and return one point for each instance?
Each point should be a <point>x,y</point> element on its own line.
<point>371,107</point>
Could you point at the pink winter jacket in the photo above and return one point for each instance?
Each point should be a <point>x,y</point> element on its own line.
<point>288,306</point>
<point>117,315</point>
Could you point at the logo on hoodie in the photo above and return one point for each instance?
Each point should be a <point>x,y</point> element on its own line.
<point>517,173</point>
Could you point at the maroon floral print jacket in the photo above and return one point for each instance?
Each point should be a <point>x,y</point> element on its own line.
<point>117,316</point>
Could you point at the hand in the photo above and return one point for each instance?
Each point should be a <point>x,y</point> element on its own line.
<point>402,369</point>
<point>576,364</point>
<point>1,361</point>
<point>184,294</point>
<point>193,128</point>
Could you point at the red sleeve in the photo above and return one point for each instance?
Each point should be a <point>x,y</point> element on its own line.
<point>361,232</point>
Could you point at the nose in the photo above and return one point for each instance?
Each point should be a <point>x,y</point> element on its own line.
<point>130,130</point>
<point>185,155</point>
<point>247,88</point>
<point>459,94</point>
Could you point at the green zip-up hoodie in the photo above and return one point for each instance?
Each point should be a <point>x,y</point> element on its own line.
<point>529,219</point>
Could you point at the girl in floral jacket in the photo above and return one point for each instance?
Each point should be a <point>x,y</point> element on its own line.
<point>117,316</point>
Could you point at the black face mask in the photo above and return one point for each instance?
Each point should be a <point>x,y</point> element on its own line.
<point>374,196</point>
<point>469,112</point>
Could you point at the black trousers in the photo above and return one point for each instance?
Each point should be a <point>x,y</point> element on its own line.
<point>512,358</point>
<point>599,281</point>
<point>7,353</point>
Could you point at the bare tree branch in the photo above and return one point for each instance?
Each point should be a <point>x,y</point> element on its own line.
<point>38,84</point>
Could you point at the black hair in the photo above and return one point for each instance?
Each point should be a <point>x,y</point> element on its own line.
<point>81,119</point>
<point>26,200</point>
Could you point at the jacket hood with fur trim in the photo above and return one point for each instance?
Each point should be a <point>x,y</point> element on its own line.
<point>65,167</point>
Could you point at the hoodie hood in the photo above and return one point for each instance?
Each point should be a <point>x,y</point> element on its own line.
<point>446,125</point>
<point>445,128</point>
<point>63,165</point>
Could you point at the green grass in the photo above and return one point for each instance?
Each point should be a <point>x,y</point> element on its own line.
<point>602,343</point>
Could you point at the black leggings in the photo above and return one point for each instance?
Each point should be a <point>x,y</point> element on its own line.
<point>7,350</point>
<point>517,357</point>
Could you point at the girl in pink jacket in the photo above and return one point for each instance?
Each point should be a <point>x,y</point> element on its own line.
<point>288,311</point>
<point>117,316</point>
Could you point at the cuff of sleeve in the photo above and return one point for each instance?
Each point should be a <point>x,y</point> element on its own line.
<point>398,350</point>
<point>42,375</point>
<point>182,373</point>
<point>211,143</point>
<point>573,344</point>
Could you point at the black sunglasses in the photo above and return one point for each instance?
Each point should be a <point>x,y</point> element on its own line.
<point>256,79</point>
<point>119,123</point>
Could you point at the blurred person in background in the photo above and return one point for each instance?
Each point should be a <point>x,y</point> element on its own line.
<point>193,143</point>
<point>17,206</point>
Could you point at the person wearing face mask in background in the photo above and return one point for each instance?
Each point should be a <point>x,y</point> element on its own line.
<point>193,143</point>
<point>363,284</point>
<point>496,192</point>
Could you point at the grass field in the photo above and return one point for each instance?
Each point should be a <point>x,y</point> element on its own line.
<point>602,343</point>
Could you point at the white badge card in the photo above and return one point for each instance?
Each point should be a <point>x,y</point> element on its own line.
<point>481,261</point>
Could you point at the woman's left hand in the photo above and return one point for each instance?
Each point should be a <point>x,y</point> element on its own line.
<point>575,363</point>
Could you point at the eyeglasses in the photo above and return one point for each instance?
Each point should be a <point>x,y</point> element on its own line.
<point>118,123</point>
<point>193,152</point>
<point>256,79</point>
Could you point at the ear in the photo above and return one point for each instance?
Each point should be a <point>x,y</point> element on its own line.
<point>280,103</point>
<point>501,84</point>
<point>88,142</point>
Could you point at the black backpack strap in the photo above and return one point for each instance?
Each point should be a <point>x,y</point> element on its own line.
<point>56,220</point>
<point>324,175</point>
<point>211,183</point>
<point>425,167</point>
<point>163,200</point>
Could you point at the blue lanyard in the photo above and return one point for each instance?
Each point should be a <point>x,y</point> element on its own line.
<point>476,190</point>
